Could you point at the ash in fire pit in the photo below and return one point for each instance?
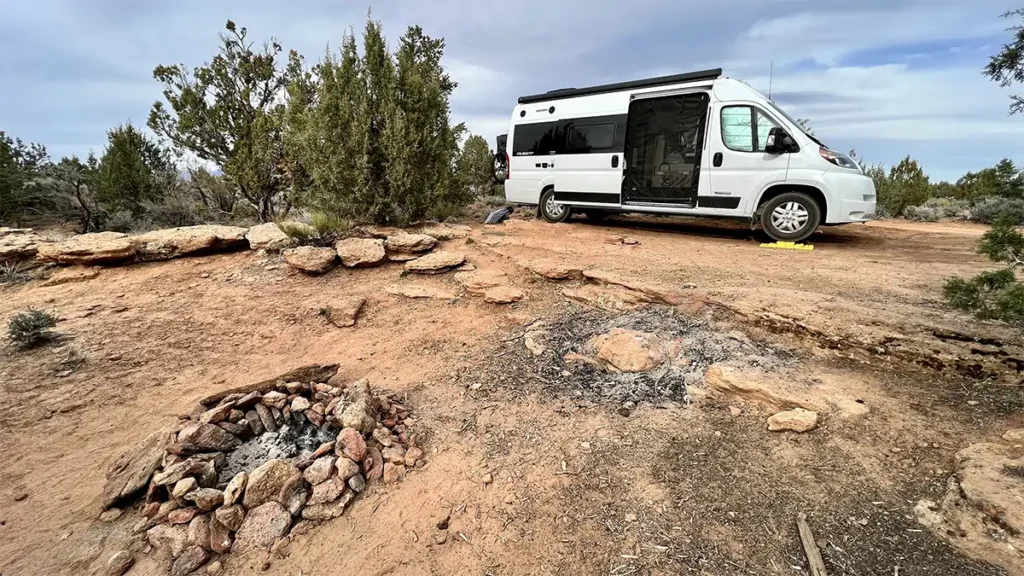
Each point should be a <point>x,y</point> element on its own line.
<point>293,442</point>
<point>238,473</point>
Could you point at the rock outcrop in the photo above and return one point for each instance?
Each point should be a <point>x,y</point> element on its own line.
<point>361,252</point>
<point>310,259</point>
<point>89,249</point>
<point>18,244</point>
<point>268,236</point>
<point>177,242</point>
<point>435,263</point>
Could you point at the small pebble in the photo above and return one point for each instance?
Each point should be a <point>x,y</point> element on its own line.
<point>973,402</point>
<point>631,517</point>
<point>488,478</point>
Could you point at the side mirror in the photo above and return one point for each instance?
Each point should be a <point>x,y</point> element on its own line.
<point>779,141</point>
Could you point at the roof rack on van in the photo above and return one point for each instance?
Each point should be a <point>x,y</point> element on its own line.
<point>645,83</point>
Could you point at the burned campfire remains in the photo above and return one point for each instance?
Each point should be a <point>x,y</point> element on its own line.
<point>251,463</point>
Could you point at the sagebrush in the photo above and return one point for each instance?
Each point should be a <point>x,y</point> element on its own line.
<point>994,295</point>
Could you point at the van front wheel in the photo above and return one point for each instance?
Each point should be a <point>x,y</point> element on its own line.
<point>551,211</point>
<point>790,217</point>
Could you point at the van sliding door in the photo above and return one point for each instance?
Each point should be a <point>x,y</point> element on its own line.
<point>664,147</point>
<point>588,168</point>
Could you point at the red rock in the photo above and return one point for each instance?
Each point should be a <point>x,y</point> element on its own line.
<point>413,455</point>
<point>327,491</point>
<point>320,470</point>
<point>261,527</point>
<point>208,437</point>
<point>394,455</point>
<point>373,466</point>
<point>329,510</point>
<point>189,561</point>
<point>351,444</point>
<point>220,536</point>
<point>233,491</point>
<point>183,515</point>
<point>393,472</point>
<point>230,516</point>
<point>199,532</point>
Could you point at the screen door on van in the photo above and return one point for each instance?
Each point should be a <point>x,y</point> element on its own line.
<point>664,144</point>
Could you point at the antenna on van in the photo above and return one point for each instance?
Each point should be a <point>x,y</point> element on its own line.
<point>771,75</point>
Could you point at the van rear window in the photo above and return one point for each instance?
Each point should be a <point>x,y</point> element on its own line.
<point>537,139</point>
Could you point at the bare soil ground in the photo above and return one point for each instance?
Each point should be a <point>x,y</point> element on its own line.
<point>680,486</point>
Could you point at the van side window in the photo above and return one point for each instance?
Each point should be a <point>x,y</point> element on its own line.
<point>745,128</point>
<point>537,139</point>
<point>581,139</point>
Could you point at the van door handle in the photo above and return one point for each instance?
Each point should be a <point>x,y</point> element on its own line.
<point>615,161</point>
<point>716,161</point>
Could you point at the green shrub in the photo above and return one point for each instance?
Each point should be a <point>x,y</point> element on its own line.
<point>994,295</point>
<point>987,210</point>
<point>31,328</point>
<point>329,224</point>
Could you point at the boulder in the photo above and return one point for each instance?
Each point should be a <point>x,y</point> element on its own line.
<point>215,415</point>
<point>358,408</point>
<point>119,563</point>
<point>182,515</point>
<point>393,472</point>
<point>189,561</point>
<point>18,244</point>
<point>435,263</point>
<point>176,242</point>
<point>310,259</point>
<point>330,509</point>
<point>270,482</point>
<point>409,243</point>
<point>753,387</point>
<point>199,532</point>
<point>623,350</point>
<point>361,252</point>
<point>553,269</point>
<point>230,516</point>
<point>184,487</point>
<point>346,467</point>
<point>71,275</point>
<point>796,420</point>
<point>208,437</point>
<point>173,538</point>
<point>268,236</point>
<point>351,444</point>
<point>220,536</point>
<point>132,470</point>
<point>345,312</point>
<point>88,249</point>
<point>206,498</point>
<point>320,470</point>
<point>373,465</point>
<point>503,295</point>
<point>1016,435</point>
<point>327,491</point>
<point>478,282</point>
<point>262,526</point>
<point>308,373</point>
<point>413,291</point>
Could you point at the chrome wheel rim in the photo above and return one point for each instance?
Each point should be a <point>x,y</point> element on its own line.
<point>554,210</point>
<point>790,217</point>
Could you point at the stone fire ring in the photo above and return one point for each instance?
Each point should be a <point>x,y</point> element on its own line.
<point>252,463</point>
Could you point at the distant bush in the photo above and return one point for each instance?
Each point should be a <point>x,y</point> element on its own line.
<point>988,210</point>
<point>31,328</point>
<point>935,209</point>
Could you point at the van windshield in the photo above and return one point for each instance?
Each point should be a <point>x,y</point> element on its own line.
<point>782,113</point>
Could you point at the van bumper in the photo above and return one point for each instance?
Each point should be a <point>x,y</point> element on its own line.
<point>856,197</point>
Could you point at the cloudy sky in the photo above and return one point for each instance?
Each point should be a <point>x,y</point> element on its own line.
<point>887,78</point>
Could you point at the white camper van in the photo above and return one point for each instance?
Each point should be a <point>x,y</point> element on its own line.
<point>691,144</point>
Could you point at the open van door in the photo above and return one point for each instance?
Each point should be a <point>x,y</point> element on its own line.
<point>588,167</point>
<point>501,160</point>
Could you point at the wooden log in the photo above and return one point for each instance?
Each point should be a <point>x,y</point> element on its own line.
<point>817,565</point>
<point>311,373</point>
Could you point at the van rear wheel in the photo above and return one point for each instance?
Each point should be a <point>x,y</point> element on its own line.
<point>551,211</point>
<point>790,217</point>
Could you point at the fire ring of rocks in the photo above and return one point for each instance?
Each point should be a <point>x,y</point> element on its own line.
<point>252,463</point>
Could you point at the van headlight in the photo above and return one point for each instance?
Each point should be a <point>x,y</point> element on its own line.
<point>839,159</point>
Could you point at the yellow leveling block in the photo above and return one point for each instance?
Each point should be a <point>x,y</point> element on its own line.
<point>789,246</point>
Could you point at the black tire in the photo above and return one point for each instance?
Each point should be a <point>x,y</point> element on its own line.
<point>549,211</point>
<point>595,215</point>
<point>790,217</point>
